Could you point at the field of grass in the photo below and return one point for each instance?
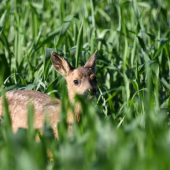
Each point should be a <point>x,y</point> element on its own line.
<point>127,126</point>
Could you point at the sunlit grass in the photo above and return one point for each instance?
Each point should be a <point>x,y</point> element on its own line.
<point>127,125</point>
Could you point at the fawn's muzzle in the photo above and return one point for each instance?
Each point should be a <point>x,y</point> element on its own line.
<point>91,92</point>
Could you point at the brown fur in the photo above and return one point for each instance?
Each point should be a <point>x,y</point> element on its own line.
<point>18,99</point>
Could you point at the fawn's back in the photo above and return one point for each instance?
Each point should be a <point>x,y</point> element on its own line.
<point>79,80</point>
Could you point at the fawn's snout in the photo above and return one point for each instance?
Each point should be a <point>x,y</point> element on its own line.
<point>91,92</point>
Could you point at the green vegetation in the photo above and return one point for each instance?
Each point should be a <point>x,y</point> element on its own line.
<point>127,125</point>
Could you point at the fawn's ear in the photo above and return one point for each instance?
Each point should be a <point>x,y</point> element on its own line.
<point>60,64</point>
<point>91,63</point>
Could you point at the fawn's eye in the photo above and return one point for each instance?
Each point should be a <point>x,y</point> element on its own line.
<point>76,82</point>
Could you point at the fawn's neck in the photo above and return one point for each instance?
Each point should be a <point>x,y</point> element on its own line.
<point>76,114</point>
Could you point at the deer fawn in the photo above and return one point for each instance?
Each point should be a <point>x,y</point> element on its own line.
<point>79,81</point>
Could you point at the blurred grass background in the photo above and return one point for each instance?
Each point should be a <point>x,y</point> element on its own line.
<point>129,126</point>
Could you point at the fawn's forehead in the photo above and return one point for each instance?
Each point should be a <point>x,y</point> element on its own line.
<point>82,72</point>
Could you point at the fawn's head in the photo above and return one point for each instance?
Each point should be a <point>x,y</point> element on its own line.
<point>79,80</point>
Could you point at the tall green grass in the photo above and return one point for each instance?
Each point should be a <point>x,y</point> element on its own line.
<point>127,125</point>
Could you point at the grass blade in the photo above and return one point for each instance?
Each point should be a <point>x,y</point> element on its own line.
<point>64,28</point>
<point>79,44</point>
